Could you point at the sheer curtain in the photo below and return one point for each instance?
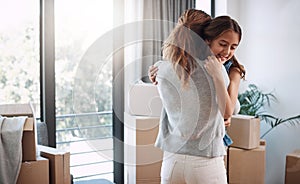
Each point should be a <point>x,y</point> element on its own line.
<point>166,13</point>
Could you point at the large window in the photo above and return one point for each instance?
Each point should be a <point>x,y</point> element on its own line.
<point>19,56</point>
<point>84,87</point>
<point>83,116</point>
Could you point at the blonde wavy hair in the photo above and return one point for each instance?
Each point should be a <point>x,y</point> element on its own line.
<point>181,47</point>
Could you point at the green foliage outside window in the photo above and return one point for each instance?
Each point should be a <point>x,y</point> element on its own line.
<point>19,83</point>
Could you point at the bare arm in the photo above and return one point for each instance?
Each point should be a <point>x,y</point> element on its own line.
<point>233,89</point>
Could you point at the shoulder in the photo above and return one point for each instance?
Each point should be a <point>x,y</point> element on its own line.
<point>163,66</point>
<point>161,63</point>
<point>165,73</point>
<point>232,69</point>
<point>228,65</point>
<point>157,63</point>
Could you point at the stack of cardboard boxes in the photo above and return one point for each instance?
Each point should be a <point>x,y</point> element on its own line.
<point>246,157</point>
<point>245,160</point>
<point>59,164</point>
<point>143,160</point>
<point>39,165</point>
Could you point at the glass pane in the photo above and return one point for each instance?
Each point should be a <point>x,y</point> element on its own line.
<point>84,87</point>
<point>19,57</point>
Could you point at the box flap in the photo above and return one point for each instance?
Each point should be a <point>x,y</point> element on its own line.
<point>50,150</point>
<point>16,110</point>
<point>242,116</point>
<point>29,124</point>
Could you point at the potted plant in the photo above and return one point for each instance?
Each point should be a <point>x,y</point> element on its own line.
<point>253,101</point>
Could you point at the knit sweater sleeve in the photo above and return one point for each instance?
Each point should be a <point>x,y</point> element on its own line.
<point>191,122</point>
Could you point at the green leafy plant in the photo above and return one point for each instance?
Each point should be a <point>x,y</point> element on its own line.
<point>253,101</point>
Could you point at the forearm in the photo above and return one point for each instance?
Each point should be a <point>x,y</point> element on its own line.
<point>222,95</point>
<point>232,92</point>
<point>226,97</point>
<point>229,108</point>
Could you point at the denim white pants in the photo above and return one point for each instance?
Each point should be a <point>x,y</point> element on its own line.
<point>186,169</point>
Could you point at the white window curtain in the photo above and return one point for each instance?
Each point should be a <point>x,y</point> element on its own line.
<point>167,13</point>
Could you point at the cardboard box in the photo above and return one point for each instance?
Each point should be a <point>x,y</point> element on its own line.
<point>247,166</point>
<point>59,162</point>
<point>292,168</point>
<point>29,139</point>
<point>244,131</point>
<point>34,172</point>
<point>143,160</point>
<point>144,100</point>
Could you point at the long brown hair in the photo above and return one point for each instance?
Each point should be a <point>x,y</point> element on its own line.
<point>181,46</point>
<point>218,26</point>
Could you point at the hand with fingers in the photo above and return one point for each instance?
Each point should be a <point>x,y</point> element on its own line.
<point>152,72</point>
<point>227,122</point>
<point>213,66</point>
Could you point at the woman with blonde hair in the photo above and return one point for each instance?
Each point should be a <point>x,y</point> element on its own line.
<point>233,68</point>
<point>194,98</point>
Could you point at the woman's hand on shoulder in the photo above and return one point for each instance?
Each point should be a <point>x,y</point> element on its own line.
<point>152,72</point>
<point>213,67</point>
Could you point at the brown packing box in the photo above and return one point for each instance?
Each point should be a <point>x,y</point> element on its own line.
<point>29,141</point>
<point>59,162</point>
<point>29,131</point>
<point>292,168</point>
<point>244,131</point>
<point>247,166</point>
<point>34,172</point>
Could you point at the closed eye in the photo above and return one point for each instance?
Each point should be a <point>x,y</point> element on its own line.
<point>233,47</point>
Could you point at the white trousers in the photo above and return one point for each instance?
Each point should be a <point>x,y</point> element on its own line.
<point>185,169</point>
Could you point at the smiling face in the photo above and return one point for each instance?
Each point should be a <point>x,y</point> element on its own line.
<point>224,46</point>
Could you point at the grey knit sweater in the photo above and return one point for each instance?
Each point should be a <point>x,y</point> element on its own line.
<point>190,122</point>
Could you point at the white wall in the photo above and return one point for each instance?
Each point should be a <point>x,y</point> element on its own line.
<point>269,50</point>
